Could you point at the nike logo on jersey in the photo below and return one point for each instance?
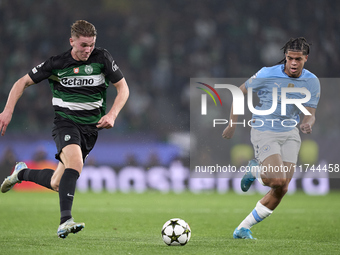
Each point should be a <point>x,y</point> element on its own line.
<point>60,74</point>
<point>69,195</point>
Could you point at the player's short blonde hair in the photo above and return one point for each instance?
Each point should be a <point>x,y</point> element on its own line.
<point>83,28</point>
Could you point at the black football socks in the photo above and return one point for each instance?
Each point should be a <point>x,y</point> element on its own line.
<point>67,186</point>
<point>41,177</point>
<point>67,189</point>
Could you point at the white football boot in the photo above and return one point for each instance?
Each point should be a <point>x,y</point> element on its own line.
<point>11,180</point>
<point>69,226</point>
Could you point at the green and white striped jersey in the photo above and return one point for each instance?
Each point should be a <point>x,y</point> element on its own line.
<point>79,88</point>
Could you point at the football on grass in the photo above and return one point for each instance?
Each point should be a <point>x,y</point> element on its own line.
<point>176,232</point>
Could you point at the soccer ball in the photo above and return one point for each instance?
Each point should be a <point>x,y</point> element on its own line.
<point>176,232</point>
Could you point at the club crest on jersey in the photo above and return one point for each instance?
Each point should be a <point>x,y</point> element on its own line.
<point>76,70</point>
<point>88,69</point>
<point>290,85</point>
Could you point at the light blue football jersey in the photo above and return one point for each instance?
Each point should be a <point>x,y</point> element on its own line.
<point>263,83</point>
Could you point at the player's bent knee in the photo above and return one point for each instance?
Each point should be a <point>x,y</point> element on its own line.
<point>284,190</point>
<point>277,183</point>
<point>55,185</point>
<point>280,192</point>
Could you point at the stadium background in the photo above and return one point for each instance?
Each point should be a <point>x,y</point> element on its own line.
<point>160,45</point>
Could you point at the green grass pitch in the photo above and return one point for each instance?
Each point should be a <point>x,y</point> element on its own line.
<point>131,223</point>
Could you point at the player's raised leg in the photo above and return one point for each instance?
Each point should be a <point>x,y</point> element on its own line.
<point>23,173</point>
<point>278,181</point>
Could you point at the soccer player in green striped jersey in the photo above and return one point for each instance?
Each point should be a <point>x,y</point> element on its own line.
<point>78,79</point>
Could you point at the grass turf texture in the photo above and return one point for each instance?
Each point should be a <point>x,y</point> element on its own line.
<point>131,224</point>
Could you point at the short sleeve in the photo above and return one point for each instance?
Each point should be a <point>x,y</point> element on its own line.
<point>41,71</point>
<point>255,82</point>
<point>111,68</point>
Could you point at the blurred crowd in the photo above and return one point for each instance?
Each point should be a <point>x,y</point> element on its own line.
<point>159,45</point>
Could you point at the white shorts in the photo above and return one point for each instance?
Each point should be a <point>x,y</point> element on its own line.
<point>267,143</point>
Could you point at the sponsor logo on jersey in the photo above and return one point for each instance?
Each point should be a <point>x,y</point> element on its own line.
<point>76,81</point>
<point>76,70</point>
<point>40,65</point>
<point>35,70</point>
<point>61,74</point>
<point>114,66</point>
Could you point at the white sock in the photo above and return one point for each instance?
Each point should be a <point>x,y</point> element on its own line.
<point>259,213</point>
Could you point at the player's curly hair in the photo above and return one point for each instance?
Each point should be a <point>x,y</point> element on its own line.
<point>83,28</point>
<point>296,44</point>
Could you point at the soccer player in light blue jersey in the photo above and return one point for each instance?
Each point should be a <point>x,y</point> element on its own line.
<point>285,91</point>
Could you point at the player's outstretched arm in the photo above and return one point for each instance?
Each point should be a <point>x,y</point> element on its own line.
<point>308,121</point>
<point>108,120</point>
<point>13,97</point>
<point>229,131</point>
